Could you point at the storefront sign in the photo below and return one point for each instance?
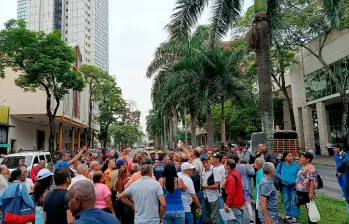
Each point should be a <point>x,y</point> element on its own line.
<point>4,145</point>
<point>4,114</point>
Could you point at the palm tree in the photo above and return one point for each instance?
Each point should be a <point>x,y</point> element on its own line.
<point>191,77</point>
<point>155,127</point>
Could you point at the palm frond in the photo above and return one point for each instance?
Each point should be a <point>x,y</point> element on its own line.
<point>224,13</point>
<point>185,17</point>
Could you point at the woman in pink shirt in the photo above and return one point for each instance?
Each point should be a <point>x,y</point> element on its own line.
<point>103,194</point>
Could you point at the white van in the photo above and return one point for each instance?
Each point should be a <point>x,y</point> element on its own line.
<point>31,159</point>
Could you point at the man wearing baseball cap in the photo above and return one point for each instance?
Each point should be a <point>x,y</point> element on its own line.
<point>189,195</point>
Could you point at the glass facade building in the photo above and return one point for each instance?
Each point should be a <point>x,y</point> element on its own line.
<point>318,84</point>
<point>22,9</point>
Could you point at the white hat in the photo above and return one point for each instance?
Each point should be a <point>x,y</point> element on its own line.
<point>187,166</point>
<point>43,173</point>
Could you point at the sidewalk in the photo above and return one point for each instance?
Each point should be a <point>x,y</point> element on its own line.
<point>324,161</point>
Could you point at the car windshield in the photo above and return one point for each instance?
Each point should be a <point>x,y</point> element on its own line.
<point>12,161</point>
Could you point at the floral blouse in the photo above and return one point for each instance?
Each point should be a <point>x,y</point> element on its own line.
<point>304,176</point>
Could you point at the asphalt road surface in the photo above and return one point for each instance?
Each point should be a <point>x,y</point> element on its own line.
<point>331,187</point>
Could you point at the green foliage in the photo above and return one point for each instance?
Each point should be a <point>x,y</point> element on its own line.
<point>187,12</point>
<point>239,120</point>
<point>125,134</point>
<point>111,104</point>
<point>45,62</point>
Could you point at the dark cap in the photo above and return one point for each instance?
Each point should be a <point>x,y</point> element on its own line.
<point>218,156</point>
<point>204,158</point>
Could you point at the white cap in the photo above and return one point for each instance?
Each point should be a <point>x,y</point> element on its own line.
<point>43,173</point>
<point>187,166</point>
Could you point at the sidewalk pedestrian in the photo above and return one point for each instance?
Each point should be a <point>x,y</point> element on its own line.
<point>210,185</point>
<point>65,158</point>
<point>95,166</point>
<point>42,188</point>
<point>189,196</point>
<point>83,174</point>
<point>339,157</point>
<point>234,189</point>
<point>146,194</point>
<point>34,171</point>
<point>82,199</point>
<point>56,202</point>
<point>219,168</point>
<point>16,180</point>
<point>108,172</point>
<point>306,182</point>
<point>263,152</point>
<point>4,174</point>
<point>344,169</point>
<point>159,168</point>
<point>173,186</point>
<point>258,165</point>
<point>28,182</point>
<point>268,204</point>
<point>103,194</point>
<point>246,171</point>
<point>287,171</point>
<point>243,154</point>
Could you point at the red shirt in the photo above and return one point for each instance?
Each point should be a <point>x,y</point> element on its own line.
<point>234,191</point>
<point>34,172</point>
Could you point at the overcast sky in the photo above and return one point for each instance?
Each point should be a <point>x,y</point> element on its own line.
<point>136,29</point>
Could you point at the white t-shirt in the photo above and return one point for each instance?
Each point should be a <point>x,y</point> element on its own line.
<point>212,195</point>
<point>30,185</point>
<point>186,196</point>
<point>221,173</point>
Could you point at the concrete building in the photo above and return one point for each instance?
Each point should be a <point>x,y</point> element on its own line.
<point>24,124</point>
<point>85,22</point>
<point>316,104</point>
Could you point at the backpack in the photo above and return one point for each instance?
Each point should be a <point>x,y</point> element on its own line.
<point>195,177</point>
<point>320,183</point>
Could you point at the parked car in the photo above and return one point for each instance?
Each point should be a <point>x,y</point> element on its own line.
<point>31,159</point>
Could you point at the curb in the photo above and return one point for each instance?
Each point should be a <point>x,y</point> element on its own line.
<point>324,164</point>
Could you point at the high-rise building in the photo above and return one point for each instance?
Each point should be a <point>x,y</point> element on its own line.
<point>85,22</point>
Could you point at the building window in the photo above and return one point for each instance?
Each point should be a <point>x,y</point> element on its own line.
<point>66,10</point>
<point>66,24</point>
<point>66,39</point>
<point>66,2</point>
<point>66,32</point>
<point>66,17</point>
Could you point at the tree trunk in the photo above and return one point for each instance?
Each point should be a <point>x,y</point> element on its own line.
<point>264,78</point>
<point>185,126</point>
<point>170,139</point>
<point>89,135</point>
<point>193,119</point>
<point>174,128</point>
<point>51,139</point>
<point>345,100</point>
<point>105,140</point>
<point>290,110</point>
<point>222,122</point>
<point>165,142</point>
<point>209,129</point>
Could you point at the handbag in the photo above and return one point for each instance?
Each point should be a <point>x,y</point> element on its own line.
<point>18,211</point>
<point>313,212</point>
<point>301,198</point>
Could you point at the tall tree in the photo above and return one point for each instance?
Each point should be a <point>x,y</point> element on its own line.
<point>45,62</point>
<point>110,103</point>
<point>92,75</point>
<point>315,21</point>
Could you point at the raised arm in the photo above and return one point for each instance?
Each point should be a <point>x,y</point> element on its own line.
<point>77,157</point>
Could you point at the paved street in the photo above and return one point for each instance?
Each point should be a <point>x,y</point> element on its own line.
<point>331,187</point>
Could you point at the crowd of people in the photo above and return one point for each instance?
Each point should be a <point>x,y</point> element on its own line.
<point>192,185</point>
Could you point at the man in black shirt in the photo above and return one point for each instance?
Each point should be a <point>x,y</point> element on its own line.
<point>56,202</point>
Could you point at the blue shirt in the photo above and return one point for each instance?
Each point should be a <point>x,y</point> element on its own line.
<point>95,216</point>
<point>267,189</point>
<point>259,176</point>
<point>288,173</point>
<point>10,191</point>
<point>338,158</point>
<point>159,169</point>
<point>62,164</point>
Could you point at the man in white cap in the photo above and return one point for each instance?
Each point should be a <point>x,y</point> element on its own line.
<point>189,195</point>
